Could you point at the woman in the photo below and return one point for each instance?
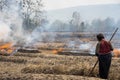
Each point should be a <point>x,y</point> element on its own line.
<point>103,51</point>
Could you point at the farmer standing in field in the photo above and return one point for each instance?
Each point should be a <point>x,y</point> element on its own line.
<point>103,51</point>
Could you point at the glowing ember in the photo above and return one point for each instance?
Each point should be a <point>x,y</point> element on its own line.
<point>116,52</point>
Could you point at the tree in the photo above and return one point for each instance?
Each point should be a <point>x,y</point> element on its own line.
<point>96,25</point>
<point>3,4</point>
<point>105,25</point>
<point>58,25</point>
<point>82,27</point>
<point>109,24</point>
<point>32,13</point>
<point>76,24</point>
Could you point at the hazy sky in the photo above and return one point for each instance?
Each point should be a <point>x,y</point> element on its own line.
<point>57,4</point>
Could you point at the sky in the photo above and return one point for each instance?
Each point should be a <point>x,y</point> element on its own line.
<point>59,4</point>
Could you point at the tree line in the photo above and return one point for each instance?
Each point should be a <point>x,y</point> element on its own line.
<point>76,24</point>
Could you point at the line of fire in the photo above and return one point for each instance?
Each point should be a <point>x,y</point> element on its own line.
<point>65,43</point>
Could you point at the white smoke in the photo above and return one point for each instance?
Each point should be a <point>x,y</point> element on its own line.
<point>13,30</point>
<point>4,31</point>
<point>35,36</point>
<point>85,46</point>
<point>78,44</point>
<point>40,34</point>
<point>10,23</point>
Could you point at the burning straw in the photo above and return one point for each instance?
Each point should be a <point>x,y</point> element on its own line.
<point>7,49</point>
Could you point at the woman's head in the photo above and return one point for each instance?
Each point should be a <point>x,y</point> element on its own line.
<point>100,36</point>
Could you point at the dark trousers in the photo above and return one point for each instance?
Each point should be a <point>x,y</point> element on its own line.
<point>104,65</point>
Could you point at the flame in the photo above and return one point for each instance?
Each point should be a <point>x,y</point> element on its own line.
<point>7,45</point>
<point>56,51</point>
<point>6,48</point>
<point>116,52</point>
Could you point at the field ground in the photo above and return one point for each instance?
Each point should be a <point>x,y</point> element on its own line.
<point>49,66</point>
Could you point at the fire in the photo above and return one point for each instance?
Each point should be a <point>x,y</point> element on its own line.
<point>116,52</point>
<point>7,45</point>
<point>54,51</point>
<point>57,50</point>
<point>6,48</point>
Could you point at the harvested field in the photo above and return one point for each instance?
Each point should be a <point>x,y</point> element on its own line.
<point>12,59</point>
<point>46,66</point>
<point>54,61</point>
<point>6,76</point>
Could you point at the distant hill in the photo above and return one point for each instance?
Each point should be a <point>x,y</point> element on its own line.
<point>87,13</point>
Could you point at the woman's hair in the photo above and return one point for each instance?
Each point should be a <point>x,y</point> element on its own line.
<point>100,36</point>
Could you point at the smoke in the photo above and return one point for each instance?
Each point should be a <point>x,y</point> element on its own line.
<point>11,29</point>
<point>85,46</point>
<point>40,34</point>
<point>81,45</point>
<point>4,31</point>
<point>10,23</point>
